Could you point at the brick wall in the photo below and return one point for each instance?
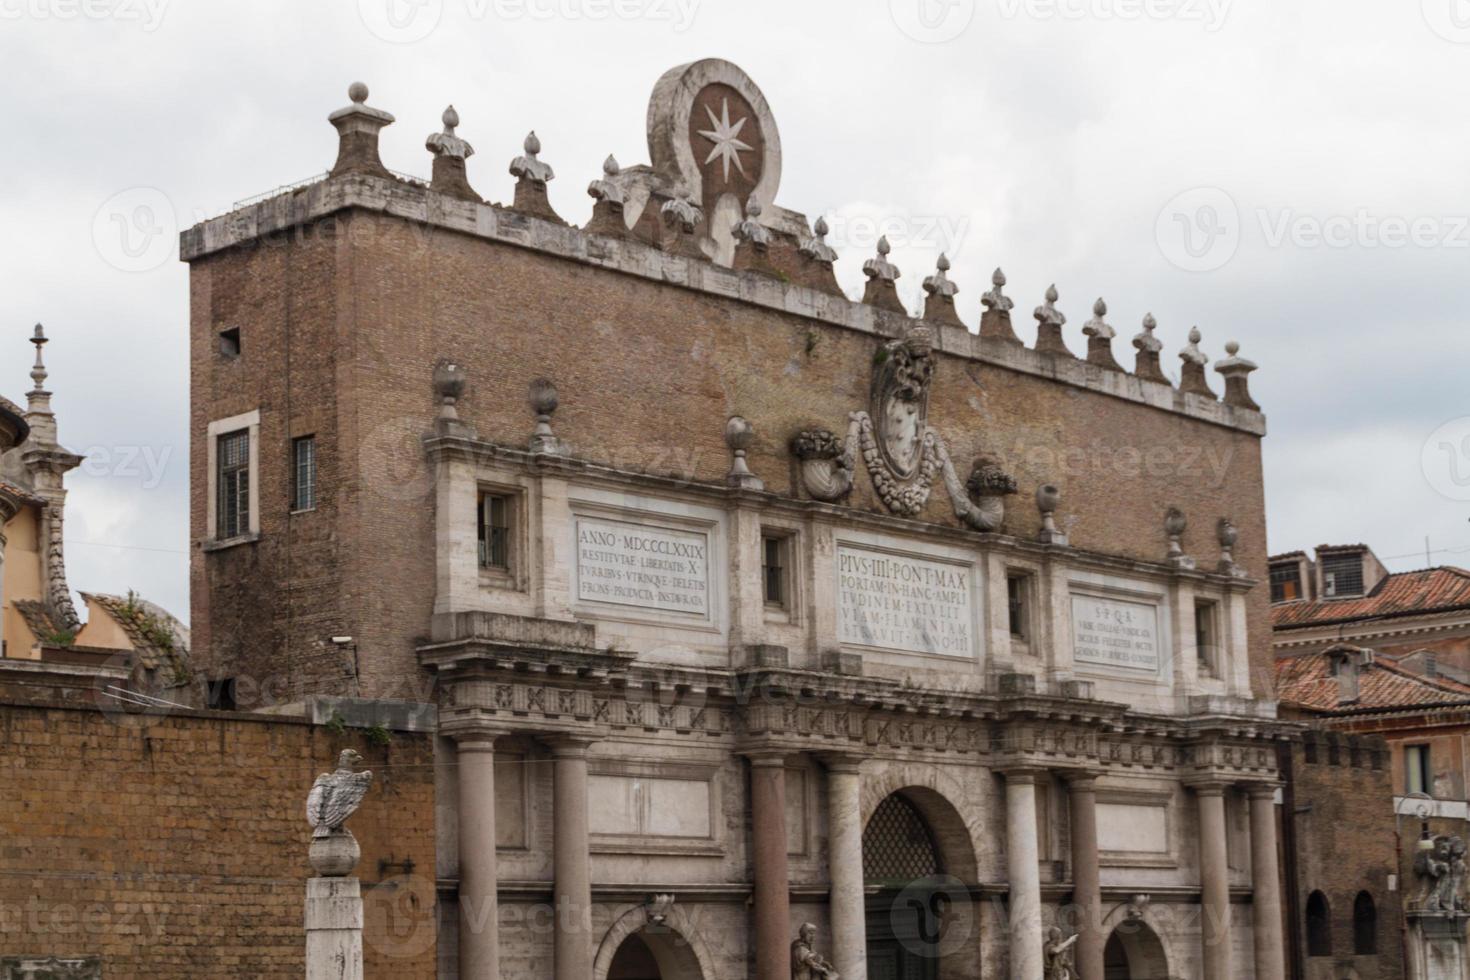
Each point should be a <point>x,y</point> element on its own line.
<point>342,324</point>
<point>175,847</point>
<point>1341,842</point>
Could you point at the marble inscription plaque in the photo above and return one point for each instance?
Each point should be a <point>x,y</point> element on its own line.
<point>1115,633</point>
<point>640,565</point>
<point>902,603</point>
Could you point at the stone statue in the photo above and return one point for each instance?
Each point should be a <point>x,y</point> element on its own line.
<point>1432,867</point>
<point>334,797</point>
<point>1456,896</point>
<point>1060,962</point>
<point>805,963</point>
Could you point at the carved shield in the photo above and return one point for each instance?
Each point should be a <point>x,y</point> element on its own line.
<point>900,401</point>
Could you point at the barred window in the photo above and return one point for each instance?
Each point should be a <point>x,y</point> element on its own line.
<point>494,535</point>
<point>234,484</point>
<point>1286,582</point>
<point>1342,575</point>
<point>303,473</point>
<point>774,562</point>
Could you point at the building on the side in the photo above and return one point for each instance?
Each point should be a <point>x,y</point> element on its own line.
<point>125,641</point>
<point>1367,654</point>
<point>744,605</point>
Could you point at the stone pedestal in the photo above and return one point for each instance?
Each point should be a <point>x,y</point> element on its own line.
<point>1437,946</point>
<point>333,929</point>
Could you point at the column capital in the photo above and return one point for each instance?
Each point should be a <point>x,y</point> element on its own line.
<point>1208,785</point>
<point>848,762</point>
<point>766,758</point>
<point>1081,779</point>
<point>1022,774</point>
<point>1265,789</point>
<point>569,746</point>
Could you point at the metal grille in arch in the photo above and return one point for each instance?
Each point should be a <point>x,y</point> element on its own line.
<point>897,844</point>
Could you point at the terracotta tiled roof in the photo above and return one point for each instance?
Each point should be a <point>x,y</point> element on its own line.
<point>1306,681</point>
<point>1400,594</point>
<point>146,626</point>
<point>38,618</point>
<point>19,493</point>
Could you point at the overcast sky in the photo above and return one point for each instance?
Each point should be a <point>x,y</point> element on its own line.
<point>1289,174</point>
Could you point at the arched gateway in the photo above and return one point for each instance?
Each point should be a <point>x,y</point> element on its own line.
<point>921,924</point>
<point>1134,952</point>
<point>653,953</point>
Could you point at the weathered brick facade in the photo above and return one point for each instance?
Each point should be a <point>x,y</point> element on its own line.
<point>175,846</point>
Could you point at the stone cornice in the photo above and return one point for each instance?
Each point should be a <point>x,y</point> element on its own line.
<point>471,449</point>
<point>416,203</point>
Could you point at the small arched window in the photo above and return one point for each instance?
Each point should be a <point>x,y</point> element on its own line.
<point>1319,925</point>
<point>1365,925</point>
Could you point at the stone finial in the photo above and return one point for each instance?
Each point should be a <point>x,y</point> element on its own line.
<point>1236,372</point>
<point>450,381</point>
<point>38,372</point>
<point>682,213</point>
<point>530,166</point>
<point>882,288</point>
<point>1048,498</point>
<point>1146,362</point>
<point>739,434</point>
<point>1174,525</point>
<point>749,230</point>
<point>879,267</point>
<point>941,291</point>
<point>532,176</point>
<point>544,401</point>
<point>358,125</point>
<point>450,153</point>
<point>1226,534</point>
<point>816,248</point>
<point>1049,323</point>
<point>1100,336</point>
<point>1192,379</point>
<point>995,321</point>
<point>605,188</point>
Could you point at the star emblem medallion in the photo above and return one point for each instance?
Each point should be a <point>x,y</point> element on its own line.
<point>725,135</point>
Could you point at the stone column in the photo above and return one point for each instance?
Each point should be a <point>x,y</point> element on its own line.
<point>1266,883</point>
<point>849,943</point>
<point>1214,876</point>
<point>333,929</point>
<point>768,857</point>
<point>572,892</point>
<point>1022,863</point>
<point>479,936</point>
<point>1086,889</point>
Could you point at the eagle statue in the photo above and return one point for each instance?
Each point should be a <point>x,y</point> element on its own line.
<point>335,796</point>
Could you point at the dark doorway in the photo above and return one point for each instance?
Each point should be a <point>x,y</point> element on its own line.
<point>906,919</point>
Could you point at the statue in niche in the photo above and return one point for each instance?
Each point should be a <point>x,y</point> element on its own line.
<point>1060,962</point>
<point>806,964</point>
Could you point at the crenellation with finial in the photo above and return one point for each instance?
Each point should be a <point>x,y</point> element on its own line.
<point>681,218</point>
<point>358,125</point>
<point>1049,323</point>
<point>532,174</point>
<point>1146,361</point>
<point>739,434</point>
<point>450,176</point>
<point>995,321</point>
<point>940,292</point>
<point>748,231</point>
<point>1100,336</point>
<point>1192,376</point>
<point>609,214</point>
<point>1236,371</point>
<point>883,275</point>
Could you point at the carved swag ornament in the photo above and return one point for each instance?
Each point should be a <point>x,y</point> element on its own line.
<point>902,454</point>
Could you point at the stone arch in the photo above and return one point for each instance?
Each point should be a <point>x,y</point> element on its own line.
<point>937,796</point>
<point>675,945</point>
<point>1135,952</point>
<point>1141,941</point>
